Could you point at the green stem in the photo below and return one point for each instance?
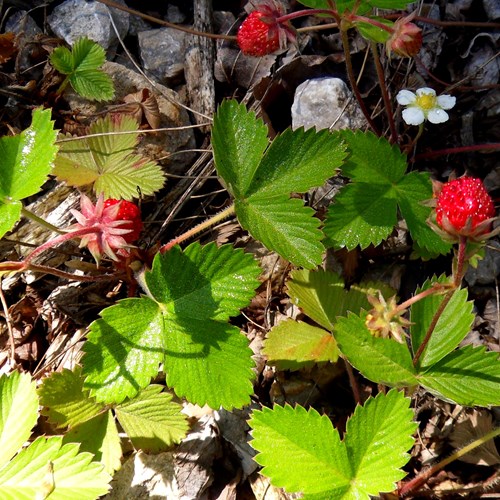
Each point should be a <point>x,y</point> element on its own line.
<point>385,95</point>
<point>42,222</point>
<point>421,479</point>
<point>352,76</point>
<point>224,214</point>
<point>457,279</point>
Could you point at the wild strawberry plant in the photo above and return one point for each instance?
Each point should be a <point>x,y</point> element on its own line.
<point>181,321</point>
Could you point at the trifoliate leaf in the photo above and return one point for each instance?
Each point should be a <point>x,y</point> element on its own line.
<point>261,186</point>
<point>384,361</point>
<point>292,345</point>
<point>46,467</point>
<point>18,413</point>
<point>302,452</point>
<point>81,66</point>
<point>65,402</point>
<point>323,297</point>
<point>99,436</point>
<point>27,160</point>
<point>361,7</point>
<point>151,420</point>
<point>182,323</point>
<point>469,376</point>
<point>452,327</point>
<point>108,161</point>
<point>124,349</point>
<point>365,211</point>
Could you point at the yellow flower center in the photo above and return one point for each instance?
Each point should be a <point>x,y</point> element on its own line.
<point>426,101</point>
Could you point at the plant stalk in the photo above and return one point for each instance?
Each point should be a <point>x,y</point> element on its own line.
<point>224,214</point>
<point>385,95</point>
<point>42,222</point>
<point>421,479</point>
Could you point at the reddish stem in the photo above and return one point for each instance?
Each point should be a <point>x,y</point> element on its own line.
<point>462,149</point>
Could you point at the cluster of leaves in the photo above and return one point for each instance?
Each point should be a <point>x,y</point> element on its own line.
<point>81,65</point>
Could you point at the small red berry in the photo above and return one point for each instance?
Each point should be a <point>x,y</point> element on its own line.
<point>131,212</point>
<point>464,208</point>
<point>258,35</point>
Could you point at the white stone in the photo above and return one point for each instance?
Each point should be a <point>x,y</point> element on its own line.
<point>326,103</point>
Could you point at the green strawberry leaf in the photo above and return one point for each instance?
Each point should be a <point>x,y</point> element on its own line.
<point>151,420</point>
<point>108,161</point>
<point>65,403</point>
<point>323,297</point>
<point>384,361</point>
<point>81,66</point>
<point>452,327</point>
<point>123,350</point>
<point>207,360</point>
<point>365,212</point>
<point>362,214</point>
<point>374,33</point>
<point>99,436</point>
<point>261,185</point>
<point>181,323</point>
<point>18,413</point>
<point>27,160</point>
<point>413,190</point>
<point>469,376</point>
<point>292,345</point>
<point>302,452</point>
<point>46,467</point>
<point>361,7</point>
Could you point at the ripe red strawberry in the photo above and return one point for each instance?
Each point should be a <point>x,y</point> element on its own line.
<point>258,35</point>
<point>131,212</point>
<point>464,208</point>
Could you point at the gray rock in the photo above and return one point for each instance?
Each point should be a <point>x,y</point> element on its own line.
<point>162,53</point>
<point>22,22</point>
<point>326,103</point>
<point>488,268</point>
<point>76,18</point>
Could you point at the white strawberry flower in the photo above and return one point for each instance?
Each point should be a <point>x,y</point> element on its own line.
<point>423,105</point>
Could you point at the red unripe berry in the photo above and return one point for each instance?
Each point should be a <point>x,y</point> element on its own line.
<point>406,39</point>
<point>130,212</point>
<point>463,206</point>
<point>258,35</point>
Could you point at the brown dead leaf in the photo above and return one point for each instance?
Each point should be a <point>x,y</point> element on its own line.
<point>7,46</point>
<point>142,104</point>
<point>472,426</point>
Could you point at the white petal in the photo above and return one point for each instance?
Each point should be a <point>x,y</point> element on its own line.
<point>405,97</point>
<point>446,101</point>
<point>437,115</point>
<point>426,90</point>
<point>413,116</point>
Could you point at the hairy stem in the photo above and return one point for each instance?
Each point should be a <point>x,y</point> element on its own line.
<point>385,95</point>
<point>199,228</point>
<point>421,479</point>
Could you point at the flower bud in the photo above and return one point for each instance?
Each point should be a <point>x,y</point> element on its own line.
<point>406,40</point>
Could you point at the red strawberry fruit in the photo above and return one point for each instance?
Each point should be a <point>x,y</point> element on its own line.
<point>464,208</point>
<point>131,212</point>
<point>258,35</point>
